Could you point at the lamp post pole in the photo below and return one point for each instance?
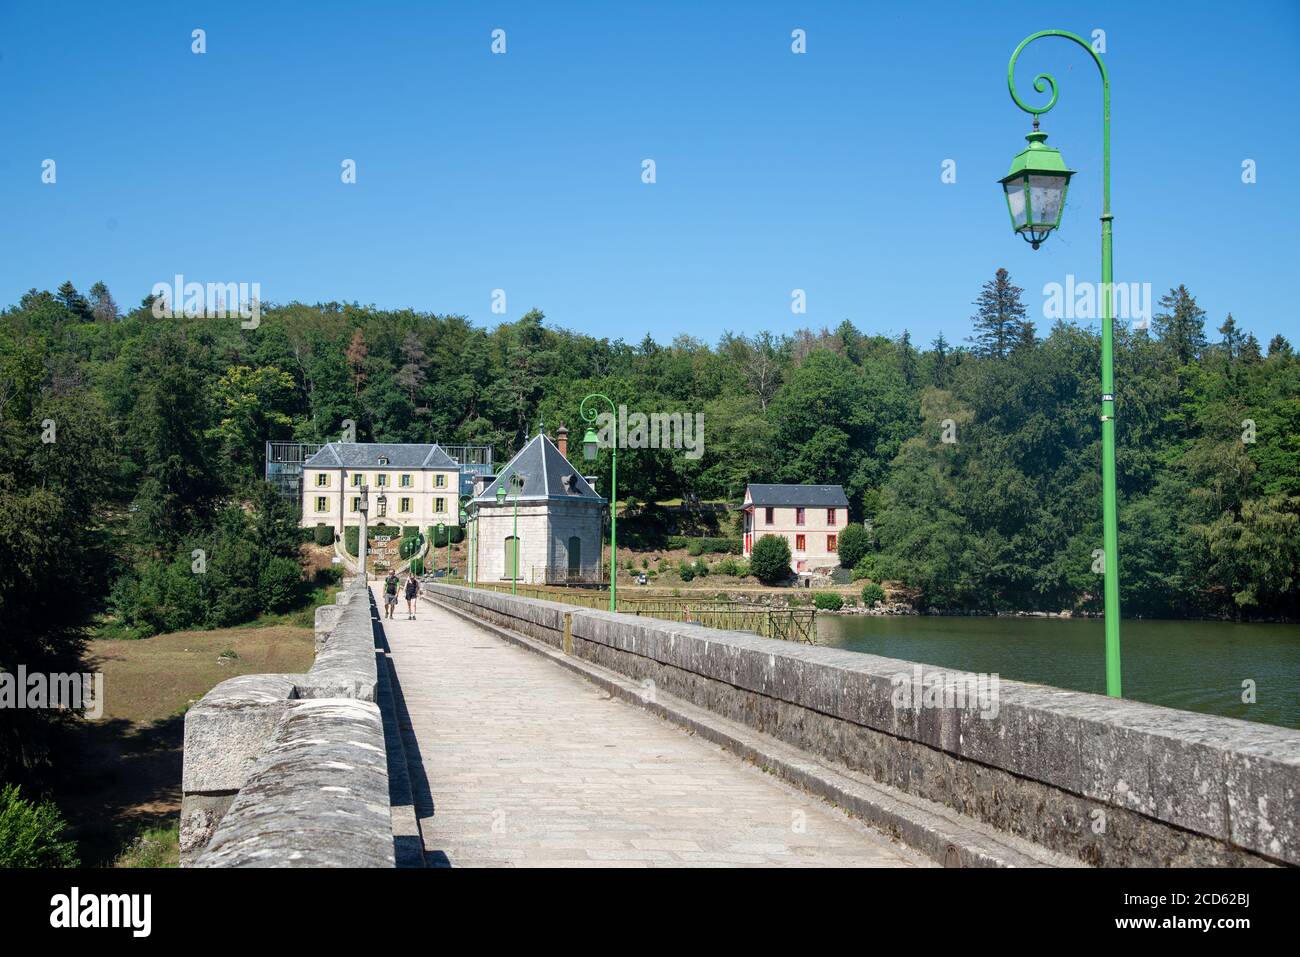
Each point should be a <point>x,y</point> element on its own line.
<point>516,483</point>
<point>589,451</point>
<point>442,527</point>
<point>363,506</point>
<point>1110,521</point>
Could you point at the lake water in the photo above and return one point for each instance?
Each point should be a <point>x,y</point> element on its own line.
<point>1194,665</point>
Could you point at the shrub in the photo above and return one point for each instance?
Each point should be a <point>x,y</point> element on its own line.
<point>410,531</point>
<point>770,561</point>
<point>457,534</point>
<point>324,535</point>
<point>853,544</point>
<point>872,593</point>
<point>351,536</point>
<point>701,567</point>
<point>32,834</point>
<point>279,581</point>
<point>685,572</point>
<point>726,567</point>
<point>417,566</point>
<point>828,601</point>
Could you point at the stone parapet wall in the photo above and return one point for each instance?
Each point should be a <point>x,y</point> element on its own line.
<point>1104,781</point>
<point>291,770</point>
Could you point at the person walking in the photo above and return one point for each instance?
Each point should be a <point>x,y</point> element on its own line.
<point>412,590</point>
<point>390,594</point>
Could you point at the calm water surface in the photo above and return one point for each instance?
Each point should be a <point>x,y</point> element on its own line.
<point>1195,665</point>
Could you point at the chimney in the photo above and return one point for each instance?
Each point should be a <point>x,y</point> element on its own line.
<point>562,441</point>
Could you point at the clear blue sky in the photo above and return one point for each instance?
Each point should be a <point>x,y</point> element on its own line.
<point>523,172</point>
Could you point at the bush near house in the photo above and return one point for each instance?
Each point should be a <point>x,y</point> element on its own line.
<point>828,601</point>
<point>324,535</point>
<point>872,593</point>
<point>770,561</point>
<point>685,572</point>
<point>31,834</point>
<point>853,545</point>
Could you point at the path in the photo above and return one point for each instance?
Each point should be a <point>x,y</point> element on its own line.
<point>517,762</point>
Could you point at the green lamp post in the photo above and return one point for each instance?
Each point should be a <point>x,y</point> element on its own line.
<point>590,444</point>
<point>442,527</point>
<point>1035,191</point>
<point>516,484</point>
<point>463,517</point>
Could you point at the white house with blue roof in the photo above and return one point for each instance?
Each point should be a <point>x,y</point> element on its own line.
<point>556,536</point>
<point>411,484</point>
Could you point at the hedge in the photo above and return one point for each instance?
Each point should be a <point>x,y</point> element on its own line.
<point>324,535</point>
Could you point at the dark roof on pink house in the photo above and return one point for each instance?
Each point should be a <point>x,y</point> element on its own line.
<point>798,496</point>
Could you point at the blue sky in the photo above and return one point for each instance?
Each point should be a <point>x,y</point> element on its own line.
<point>522,171</point>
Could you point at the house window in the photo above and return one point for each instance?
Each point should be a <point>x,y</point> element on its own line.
<point>322,479</point>
<point>381,479</point>
<point>832,543</point>
<point>768,514</point>
<point>404,481</point>
<point>403,504</point>
<point>356,503</point>
<point>440,481</point>
<point>800,543</point>
<point>383,460</point>
<point>358,479</point>
<point>798,516</point>
<point>440,505</point>
<point>322,503</point>
<point>830,517</point>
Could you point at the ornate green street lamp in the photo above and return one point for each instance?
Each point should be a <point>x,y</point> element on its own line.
<point>1035,190</point>
<point>590,444</point>
<point>463,517</point>
<point>516,483</point>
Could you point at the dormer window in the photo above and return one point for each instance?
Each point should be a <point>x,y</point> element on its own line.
<point>383,460</point>
<point>570,483</point>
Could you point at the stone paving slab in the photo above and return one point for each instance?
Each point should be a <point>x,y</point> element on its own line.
<point>530,765</point>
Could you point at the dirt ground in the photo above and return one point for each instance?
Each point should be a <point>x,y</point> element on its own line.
<point>122,773</point>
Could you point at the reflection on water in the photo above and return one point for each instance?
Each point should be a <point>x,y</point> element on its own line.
<point>1196,665</point>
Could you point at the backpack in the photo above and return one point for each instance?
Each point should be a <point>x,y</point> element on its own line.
<point>390,586</point>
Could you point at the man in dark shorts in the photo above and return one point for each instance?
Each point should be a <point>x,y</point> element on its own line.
<point>390,594</point>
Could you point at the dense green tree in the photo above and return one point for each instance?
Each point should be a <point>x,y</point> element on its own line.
<point>770,560</point>
<point>1000,320</point>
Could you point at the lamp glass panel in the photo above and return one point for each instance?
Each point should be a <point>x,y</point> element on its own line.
<point>1046,194</point>
<point>1016,201</point>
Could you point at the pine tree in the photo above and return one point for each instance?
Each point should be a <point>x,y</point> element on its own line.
<point>942,365</point>
<point>356,356</point>
<point>907,358</point>
<point>1278,346</point>
<point>73,301</point>
<point>999,320</point>
<point>1232,338</point>
<point>1181,324</point>
<point>102,306</point>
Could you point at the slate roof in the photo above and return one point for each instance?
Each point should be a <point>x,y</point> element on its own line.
<point>400,455</point>
<point>544,471</point>
<point>807,496</point>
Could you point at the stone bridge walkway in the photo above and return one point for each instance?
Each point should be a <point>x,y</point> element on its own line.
<point>516,762</point>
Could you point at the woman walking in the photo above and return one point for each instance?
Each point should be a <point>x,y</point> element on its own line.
<point>412,590</point>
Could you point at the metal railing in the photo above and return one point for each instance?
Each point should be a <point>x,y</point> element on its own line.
<point>786,624</point>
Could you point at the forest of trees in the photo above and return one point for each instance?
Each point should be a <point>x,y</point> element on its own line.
<point>126,441</point>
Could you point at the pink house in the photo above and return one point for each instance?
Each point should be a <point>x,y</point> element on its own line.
<point>809,517</point>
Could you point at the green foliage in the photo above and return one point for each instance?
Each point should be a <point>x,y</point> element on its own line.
<point>770,561</point>
<point>417,566</point>
<point>872,593</point>
<point>32,833</point>
<point>701,568</point>
<point>685,572</point>
<point>696,546</point>
<point>853,544</point>
<point>324,535</point>
<point>828,600</point>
